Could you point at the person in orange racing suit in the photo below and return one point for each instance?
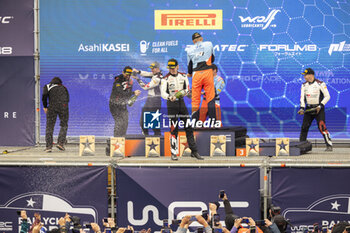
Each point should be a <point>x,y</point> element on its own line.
<point>199,59</point>
<point>219,84</point>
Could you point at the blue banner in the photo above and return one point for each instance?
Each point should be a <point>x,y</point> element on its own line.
<point>261,49</point>
<point>17,73</point>
<point>328,204</point>
<point>53,192</point>
<point>172,193</point>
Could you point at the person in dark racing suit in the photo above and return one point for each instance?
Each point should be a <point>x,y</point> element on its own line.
<point>58,106</point>
<point>314,96</point>
<point>120,97</point>
<point>153,102</point>
<point>173,84</point>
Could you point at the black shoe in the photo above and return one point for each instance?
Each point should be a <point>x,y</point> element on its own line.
<point>60,147</point>
<point>196,155</point>
<point>174,157</point>
<point>329,148</point>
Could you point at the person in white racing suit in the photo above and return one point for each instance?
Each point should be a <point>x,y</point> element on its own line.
<point>174,87</point>
<point>153,102</point>
<point>313,98</point>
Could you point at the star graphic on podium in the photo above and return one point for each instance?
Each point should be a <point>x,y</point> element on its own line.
<point>252,146</point>
<point>116,146</point>
<point>87,144</point>
<point>218,145</point>
<point>282,146</point>
<point>152,146</point>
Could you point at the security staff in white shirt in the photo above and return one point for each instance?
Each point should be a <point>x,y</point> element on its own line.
<point>313,98</point>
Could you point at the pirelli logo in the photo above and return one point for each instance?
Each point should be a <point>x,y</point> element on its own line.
<point>187,19</point>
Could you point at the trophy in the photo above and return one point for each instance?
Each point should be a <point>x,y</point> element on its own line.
<point>217,145</point>
<point>87,145</point>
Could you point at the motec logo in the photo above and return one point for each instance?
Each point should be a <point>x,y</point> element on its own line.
<point>187,19</point>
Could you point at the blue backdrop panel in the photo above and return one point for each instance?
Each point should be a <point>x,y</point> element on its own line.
<point>328,204</point>
<point>17,73</point>
<point>261,49</point>
<point>52,191</point>
<point>17,101</point>
<point>172,193</point>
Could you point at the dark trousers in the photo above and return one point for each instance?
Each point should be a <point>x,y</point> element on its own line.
<point>152,105</point>
<point>320,118</point>
<point>61,110</point>
<point>121,120</point>
<point>176,110</point>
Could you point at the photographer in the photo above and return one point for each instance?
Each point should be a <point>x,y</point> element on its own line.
<point>230,216</point>
<point>185,222</point>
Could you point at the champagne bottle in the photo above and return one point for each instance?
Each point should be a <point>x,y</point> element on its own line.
<point>132,100</point>
<point>180,94</point>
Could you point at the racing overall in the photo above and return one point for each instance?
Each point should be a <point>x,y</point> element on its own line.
<point>219,84</point>
<point>312,95</point>
<point>169,87</point>
<point>153,102</point>
<point>199,59</point>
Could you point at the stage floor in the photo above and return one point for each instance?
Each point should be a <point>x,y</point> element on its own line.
<point>70,157</point>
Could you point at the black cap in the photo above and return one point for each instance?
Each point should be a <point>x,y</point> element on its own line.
<point>172,63</point>
<point>127,70</point>
<point>308,71</point>
<point>196,35</point>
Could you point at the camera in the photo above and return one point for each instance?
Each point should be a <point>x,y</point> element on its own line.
<point>260,222</point>
<point>275,210</point>
<point>347,229</point>
<point>105,220</point>
<point>217,230</point>
<point>245,220</point>
<point>205,214</point>
<point>130,231</point>
<point>216,220</point>
<point>18,212</point>
<point>165,230</point>
<point>200,230</point>
<point>222,194</point>
<point>165,223</point>
<point>87,225</point>
<point>316,227</point>
<point>324,228</point>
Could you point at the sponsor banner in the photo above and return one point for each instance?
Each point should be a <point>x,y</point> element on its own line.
<point>328,204</point>
<point>16,28</point>
<point>188,19</point>
<point>17,101</point>
<point>146,196</point>
<point>260,51</point>
<point>52,192</point>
